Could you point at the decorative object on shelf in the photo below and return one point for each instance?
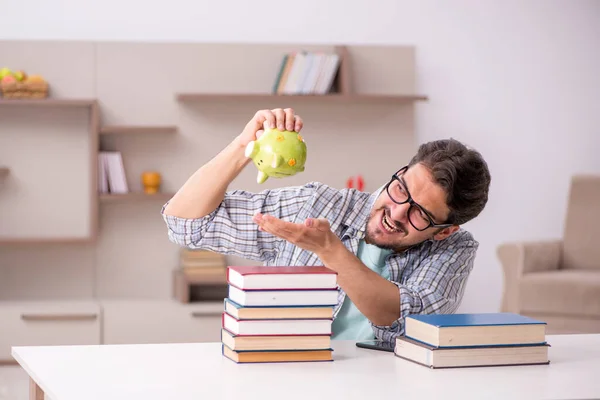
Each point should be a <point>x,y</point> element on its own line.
<point>151,181</point>
<point>277,154</point>
<point>360,183</point>
<point>20,85</point>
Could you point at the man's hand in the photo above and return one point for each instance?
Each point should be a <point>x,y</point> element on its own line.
<point>282,119</point>
<point>205,189</point>
<point>376,297</point>
<point>314,235</point>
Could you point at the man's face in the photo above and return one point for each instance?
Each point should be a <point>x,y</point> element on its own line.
<point>389,226</point>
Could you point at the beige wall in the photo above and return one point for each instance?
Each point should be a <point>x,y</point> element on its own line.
<point>136,84</point>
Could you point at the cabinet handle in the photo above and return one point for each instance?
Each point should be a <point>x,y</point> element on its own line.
<point>58,317</point>
<point>198,314</point>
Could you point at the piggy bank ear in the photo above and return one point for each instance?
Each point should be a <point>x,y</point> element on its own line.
<point>252,149</point>
<point>277,161</point>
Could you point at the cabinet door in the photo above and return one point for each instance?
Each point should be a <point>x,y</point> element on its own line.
<point>48,323</point>
<point>49,194</point>
<point>160,321</point>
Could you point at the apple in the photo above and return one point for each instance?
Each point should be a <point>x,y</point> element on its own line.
<point>8,79</point>
<point>5,72</point>
<point>20,75</point>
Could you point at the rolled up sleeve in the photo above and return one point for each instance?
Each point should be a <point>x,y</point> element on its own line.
<point>229,229</point>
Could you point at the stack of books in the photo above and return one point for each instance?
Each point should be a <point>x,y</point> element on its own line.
<point>306,72</point>
<point>278,314</point>
<point>473,340</point>
<point>202,263</point>
<point>201,269</point>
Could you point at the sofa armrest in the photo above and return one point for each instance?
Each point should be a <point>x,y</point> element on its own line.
<point>520,258</point>
<point>526,257</point>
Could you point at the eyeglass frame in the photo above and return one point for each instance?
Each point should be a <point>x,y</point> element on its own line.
<point>412,202</point>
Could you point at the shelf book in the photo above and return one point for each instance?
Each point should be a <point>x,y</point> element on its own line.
<point>304,72</point>
<point>111,173</point>
<point>472,340</point>
<point>278,314</point>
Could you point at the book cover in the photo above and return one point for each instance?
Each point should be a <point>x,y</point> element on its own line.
<point>277,356</point>
<point>276,327</point>
<point>462,357</point>
<point>262,270</point>
<point>476,329</point>
<point>286,297</point>
<point>481,319</point>
<point>277,312</point>
<point>257,277</point>
<point>274,342</point>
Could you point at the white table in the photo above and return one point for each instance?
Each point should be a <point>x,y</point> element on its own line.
<point>199,371</point>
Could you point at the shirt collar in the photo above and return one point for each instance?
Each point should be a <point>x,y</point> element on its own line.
<point>356,219</point>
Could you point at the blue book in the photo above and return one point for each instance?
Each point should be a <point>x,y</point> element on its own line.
<point>467,330</point>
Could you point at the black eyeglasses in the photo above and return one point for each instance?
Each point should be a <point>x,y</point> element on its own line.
<point>418,217</point>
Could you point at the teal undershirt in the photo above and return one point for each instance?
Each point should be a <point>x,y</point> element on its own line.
<point>350,324</point>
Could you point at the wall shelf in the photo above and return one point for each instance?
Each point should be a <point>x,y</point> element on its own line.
<point>34,241</point>
<point>114,197</point>
<point>133,129</point>
<point>333,98</point>
<point>48,102</point>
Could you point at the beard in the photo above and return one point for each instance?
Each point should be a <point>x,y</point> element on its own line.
<point>382,238</point>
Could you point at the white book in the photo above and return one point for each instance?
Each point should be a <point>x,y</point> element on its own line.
<point>283,297</point>
<point>102,176</point>
<point>317,71</point>
<point>277,326</point>
<point>117,180</point>
<point>295,75</point>
<point>329,73</point>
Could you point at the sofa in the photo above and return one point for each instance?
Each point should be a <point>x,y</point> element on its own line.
<point>558,281</point>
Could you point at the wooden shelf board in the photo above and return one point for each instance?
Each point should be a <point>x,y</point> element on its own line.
<point>132,129</point>
<point>4,171</point>
<point>190,97</point>
<point>48,102</point>
<point>112,197</point>
<point>43,241</point>
<point>208,279</point>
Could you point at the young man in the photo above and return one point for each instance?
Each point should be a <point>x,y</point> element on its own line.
<point>398,251</point>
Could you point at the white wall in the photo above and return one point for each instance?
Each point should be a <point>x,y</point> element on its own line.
<point>517,79</point>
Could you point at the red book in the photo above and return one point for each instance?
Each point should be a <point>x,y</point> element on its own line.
<point>258,277</point>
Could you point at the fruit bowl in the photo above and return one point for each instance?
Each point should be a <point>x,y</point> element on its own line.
<point>18,85</point>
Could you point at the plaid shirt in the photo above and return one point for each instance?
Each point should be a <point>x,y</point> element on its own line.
<point>431,276</point>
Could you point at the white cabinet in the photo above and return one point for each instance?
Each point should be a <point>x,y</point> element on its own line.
<point>160,321</point>
<point>48,323</point>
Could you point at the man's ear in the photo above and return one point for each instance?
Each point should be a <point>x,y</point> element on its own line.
<point>445,232</point>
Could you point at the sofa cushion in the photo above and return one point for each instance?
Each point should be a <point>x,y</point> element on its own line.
<point>582,225</point>
<point>566,292</point>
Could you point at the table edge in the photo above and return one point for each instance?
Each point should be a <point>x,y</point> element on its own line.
<point>14,353</point>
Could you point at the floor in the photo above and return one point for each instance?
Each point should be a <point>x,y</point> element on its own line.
<point>14,383</point>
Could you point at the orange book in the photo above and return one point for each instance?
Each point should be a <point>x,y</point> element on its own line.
<point>277,356</point>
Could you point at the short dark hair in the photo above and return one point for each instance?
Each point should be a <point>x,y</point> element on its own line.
<point>463,174</point>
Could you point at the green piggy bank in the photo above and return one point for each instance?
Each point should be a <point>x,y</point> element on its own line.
<point>277,154</point>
